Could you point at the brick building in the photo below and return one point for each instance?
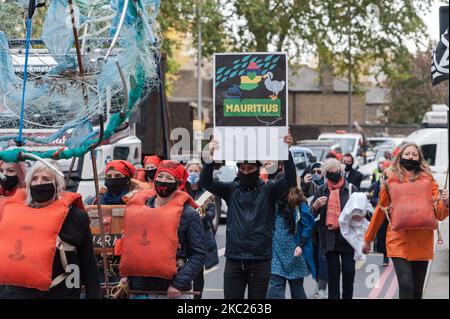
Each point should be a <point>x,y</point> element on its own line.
<point>317,99</point>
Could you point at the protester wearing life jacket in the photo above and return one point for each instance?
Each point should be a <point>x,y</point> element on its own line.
<point>194,189</point>
<point>46,248</point>
<point>12,177</point>
<point>118,184</point>
<point>163,246</point>
<point>328,203</point>
<point>147,174</point>
<point>410,198</point>
<point>250,222</point>
<point>292,251</point>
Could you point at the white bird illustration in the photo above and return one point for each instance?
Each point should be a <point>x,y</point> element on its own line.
<point>273,86</point>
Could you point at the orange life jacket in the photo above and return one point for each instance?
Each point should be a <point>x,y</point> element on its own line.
<point>150,239</point>
<point>29,239</point>
<point>411,203</point>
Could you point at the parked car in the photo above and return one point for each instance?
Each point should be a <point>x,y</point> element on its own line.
<point>320,149</point>
<point>225,173</point>
<point>367,169</point>
<point>385,141</point>
<point>303,157</point>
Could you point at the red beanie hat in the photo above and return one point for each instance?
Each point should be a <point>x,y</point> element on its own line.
<point>176,170</point>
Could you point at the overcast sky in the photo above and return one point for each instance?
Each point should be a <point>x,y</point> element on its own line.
<point>432,19</point>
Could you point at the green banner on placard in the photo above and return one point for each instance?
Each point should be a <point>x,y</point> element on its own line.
<point>251,107</point>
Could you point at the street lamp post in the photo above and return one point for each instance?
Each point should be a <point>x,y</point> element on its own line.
<point>349,72</point>
<point>199,73</point>
<point>386,118</point>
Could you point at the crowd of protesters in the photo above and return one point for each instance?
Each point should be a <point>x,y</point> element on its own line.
<point>279,229</point>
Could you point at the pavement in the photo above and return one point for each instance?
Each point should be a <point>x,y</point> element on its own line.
<point>437,282</point>
<point>372,280</point>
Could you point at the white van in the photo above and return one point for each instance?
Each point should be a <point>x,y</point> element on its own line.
<point>349,143</point>
<point>124,145</point>
<point>434,145</point>
<point>437,117</point>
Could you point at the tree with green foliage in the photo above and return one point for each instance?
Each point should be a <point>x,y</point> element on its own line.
<point>376,31</point>
<point>413,95</point>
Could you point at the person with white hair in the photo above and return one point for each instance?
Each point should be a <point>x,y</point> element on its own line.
<point>328,202</point>
<point>46,248</point>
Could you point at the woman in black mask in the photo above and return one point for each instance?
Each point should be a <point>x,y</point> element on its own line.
<point>410,197</point>
<point>190,253</point>
<point>31,222</point>
<point>118,184</point>
<point>328,202</point>
<point>12,177</point>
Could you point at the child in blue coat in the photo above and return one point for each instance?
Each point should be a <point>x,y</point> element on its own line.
<point>292,250</point>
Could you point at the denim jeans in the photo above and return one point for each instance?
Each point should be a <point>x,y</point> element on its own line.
<point>340,263</point>
<point>320,262</point>
<point>240,274</point>
<point>277,288</point>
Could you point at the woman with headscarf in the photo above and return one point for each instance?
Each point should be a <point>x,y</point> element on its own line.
<point>163,246</point>
<point>147,174</point>
<point>118,184</point>
<point>46,248</point>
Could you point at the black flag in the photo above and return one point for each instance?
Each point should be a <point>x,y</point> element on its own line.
<point>439,63</point>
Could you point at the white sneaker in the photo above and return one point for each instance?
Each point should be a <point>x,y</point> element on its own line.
<point>323,294</point>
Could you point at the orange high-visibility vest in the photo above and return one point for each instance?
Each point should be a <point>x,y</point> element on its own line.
<point>150,239</point>
<point>28,240</point>
<point>411,203</point>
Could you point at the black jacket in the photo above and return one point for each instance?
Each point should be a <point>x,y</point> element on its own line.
<point>332,240</point>
<point>354,177</point>
<point>212,257</point>
<point>251,213</point>
<point>192,250</point>
<point>74,231</point>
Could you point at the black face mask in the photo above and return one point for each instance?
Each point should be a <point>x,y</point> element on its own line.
<point>249,180</point>
<point>9,183</point>
<point>333,177</point>
<point>117,185</point>
<point>410,165</point>
<point>150,174</point>
<point>348,167</point>
<point>43,192</point>
<point>165,189</point>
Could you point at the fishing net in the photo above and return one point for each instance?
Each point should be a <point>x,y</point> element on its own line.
<point>60,100</point>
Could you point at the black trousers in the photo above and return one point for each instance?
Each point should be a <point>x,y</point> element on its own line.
<point>241,274</point>
<point>340,262</point>
<point>411,277</point>
<point>198,284</point>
